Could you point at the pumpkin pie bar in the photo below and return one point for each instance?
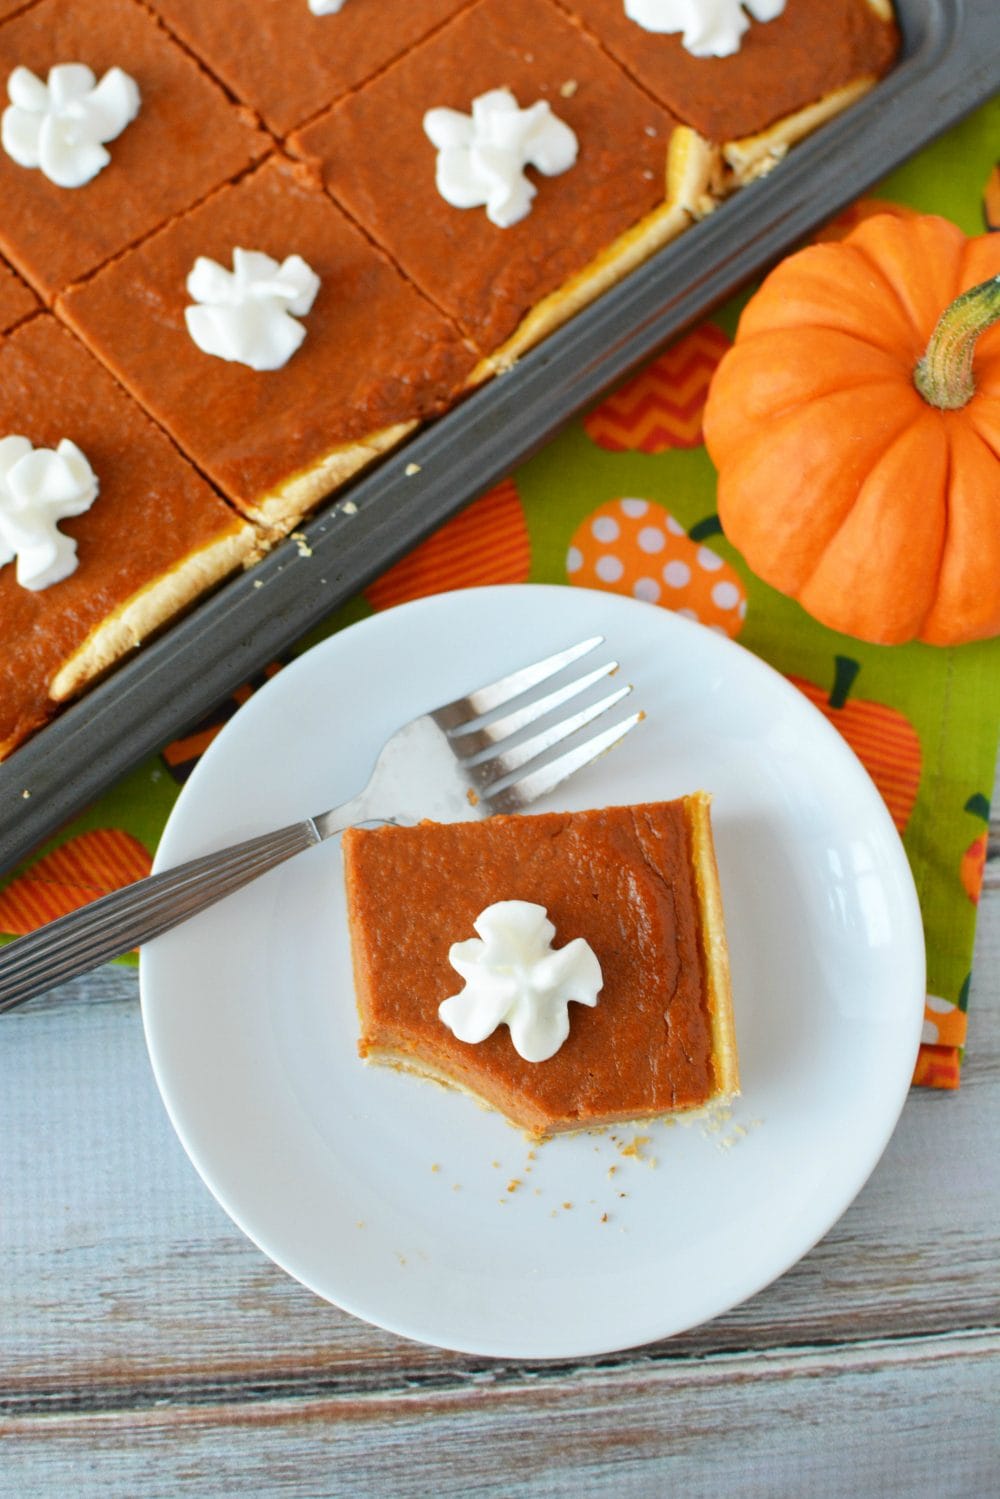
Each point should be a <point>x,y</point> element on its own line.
<point>16,299</point>
<point>289,63</point>
<point>186,139</point>
<point>789,75</point>
<point>154,538</point>
<point>628,192</point>
<point>376,358</point>
<point>638,884</point>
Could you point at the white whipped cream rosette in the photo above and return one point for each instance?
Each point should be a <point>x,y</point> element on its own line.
<point>38,488</point>
<point>61,126</point>
<point>325,7</point>
<point>482,157</point>
<point>249,315</point>
<point>513,976</point>
<point>710,28</point>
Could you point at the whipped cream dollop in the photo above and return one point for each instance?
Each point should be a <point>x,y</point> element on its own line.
<point>513,976</point>
<point>61,126</point>
<point>325,7</point>
<point>482,156</point>
<point>250,314</point>
<point>38,488</point>
<point>710,28</point>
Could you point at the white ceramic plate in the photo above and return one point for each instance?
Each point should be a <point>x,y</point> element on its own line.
<point>406,1204</point>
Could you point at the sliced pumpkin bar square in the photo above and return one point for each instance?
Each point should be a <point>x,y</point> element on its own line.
<point>651,1030</point>
<point>626,191</point>
<point>374,357</point>
<point>289,59</point>
<point>16,299</point>
<point>785,77</point>
<point>106,531</point>
<point>165,132</point>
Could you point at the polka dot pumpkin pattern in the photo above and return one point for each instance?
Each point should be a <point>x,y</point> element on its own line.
<point>944,1022</point>
<point>662,406</point>
<point>486,543</point>
<point>634,547</point>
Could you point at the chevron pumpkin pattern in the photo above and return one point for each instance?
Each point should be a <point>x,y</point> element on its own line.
<point>84,868</point>
<point>662,406</point>
<point>487,543</point>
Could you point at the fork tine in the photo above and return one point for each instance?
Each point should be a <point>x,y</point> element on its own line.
<point>481,700</point>
<point>503,761</point>
<point>512,796</point>
<point>499,729</point>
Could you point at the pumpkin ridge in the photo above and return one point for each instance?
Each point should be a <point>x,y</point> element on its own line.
<point>929,240</point>
<point>920,335</point>
<point>968,609</point>
<point>809,276</point>
<point>949,470</point>
<point>782,556</point>
<point>924,418</point>
<point>736,419</point>
<point>840,387</point>
<point>982,429</point>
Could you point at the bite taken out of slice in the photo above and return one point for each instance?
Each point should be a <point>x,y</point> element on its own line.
<point>639,885</point>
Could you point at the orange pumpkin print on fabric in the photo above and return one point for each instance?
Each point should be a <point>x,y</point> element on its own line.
<point>486,543</point>
<point>86,867</point>
<point>973,865</point>
<point>883,739</point>
<point>634,547</point>
<point>662,406</point>
<point>182,755</point>
<point>937,1067</point>
<point>991,200</point>
<point>945,1023</point>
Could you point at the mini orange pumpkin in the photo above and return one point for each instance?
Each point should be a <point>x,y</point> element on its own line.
<point>855,425</point>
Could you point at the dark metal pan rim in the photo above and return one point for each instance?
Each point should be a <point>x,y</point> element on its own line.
<point>950,63</point>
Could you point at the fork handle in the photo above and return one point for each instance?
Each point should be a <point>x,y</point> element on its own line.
<point>116,923</point>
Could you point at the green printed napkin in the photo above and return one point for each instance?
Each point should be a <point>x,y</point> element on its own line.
<point>624,499</point>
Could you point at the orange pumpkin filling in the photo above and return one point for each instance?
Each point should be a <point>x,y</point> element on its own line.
<point>639,884</point>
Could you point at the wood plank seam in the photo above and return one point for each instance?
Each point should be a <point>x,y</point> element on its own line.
<point>744,1364</point>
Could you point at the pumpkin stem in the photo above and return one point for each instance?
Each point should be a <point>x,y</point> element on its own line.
<point>979,806</point>
<point>710,525</point>
<point>844,671</point>
<point>944,375</point>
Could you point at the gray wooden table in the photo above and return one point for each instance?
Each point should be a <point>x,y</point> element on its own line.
<point>147,1348</point>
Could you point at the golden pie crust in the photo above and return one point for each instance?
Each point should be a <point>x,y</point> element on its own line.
<point>640,884</point>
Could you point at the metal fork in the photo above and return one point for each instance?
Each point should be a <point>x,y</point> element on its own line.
<point>463,757</point>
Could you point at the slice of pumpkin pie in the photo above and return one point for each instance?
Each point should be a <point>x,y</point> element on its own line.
<point>291,58</point>
<point>17,301</point>
<point>109,129</point>
<point>753,77</point>
<point>511,169</point>
<point>105,531</point>
<point>597,989</point>
<point>276,345</point>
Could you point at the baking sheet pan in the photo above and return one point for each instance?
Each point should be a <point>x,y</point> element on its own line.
<point>950,63</point>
